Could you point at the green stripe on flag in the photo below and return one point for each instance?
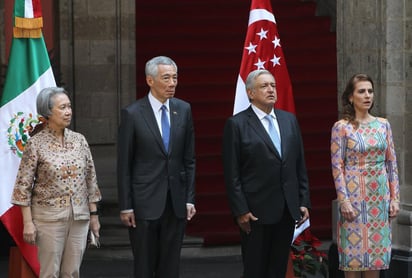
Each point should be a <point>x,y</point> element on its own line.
<point>19,8</point>
<point>28,61</point>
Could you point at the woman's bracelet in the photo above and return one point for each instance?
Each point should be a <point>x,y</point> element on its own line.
<point>94,212</point>
<point>344,201</point>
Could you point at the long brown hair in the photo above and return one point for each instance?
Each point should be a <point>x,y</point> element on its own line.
<point>348,112</point>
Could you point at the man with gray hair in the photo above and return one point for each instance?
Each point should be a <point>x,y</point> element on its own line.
<point>156,172</point>
<point>265,178</point>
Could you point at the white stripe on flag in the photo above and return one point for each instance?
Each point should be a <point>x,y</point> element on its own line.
<point>9,162</point>
<point>28,9</point>
<point>241,98</point>
<point>260,14</point>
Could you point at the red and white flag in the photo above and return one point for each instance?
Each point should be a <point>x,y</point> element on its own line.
<point>263,50</point>
<point>28,72</point>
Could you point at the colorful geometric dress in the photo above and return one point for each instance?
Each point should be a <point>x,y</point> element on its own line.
<point>365,173</point>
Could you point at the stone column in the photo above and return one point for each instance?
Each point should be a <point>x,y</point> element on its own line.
<point>97,39</point>
<point>98,63</point>
<point>375,37</point>
<point>398,104</point>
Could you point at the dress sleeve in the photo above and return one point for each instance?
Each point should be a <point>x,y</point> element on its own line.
<point>338,150</point>
<point>391,165</point>
<point>23,186</point>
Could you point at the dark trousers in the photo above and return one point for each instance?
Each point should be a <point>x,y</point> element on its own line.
<point>266,249</point>
<point>156,245</point>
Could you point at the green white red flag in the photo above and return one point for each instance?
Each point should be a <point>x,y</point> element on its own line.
<point>28,72</point>
<point>263,50</point>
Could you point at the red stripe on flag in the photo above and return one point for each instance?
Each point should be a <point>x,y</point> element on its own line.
<point>261,5</point>
<point>263,50</point>
<point>37,8</point>
<point>13,221</point>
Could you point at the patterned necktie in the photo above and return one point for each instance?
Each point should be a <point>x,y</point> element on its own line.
<point>273,134</point>
<point>165,127</point>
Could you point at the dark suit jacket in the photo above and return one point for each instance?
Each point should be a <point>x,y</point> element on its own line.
<point>146,170</point>
<point>257,179</point>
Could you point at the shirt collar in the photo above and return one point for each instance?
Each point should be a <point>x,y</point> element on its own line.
<point>156,104</point>
<point>260,114</point>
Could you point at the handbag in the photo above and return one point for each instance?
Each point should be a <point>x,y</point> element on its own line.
<point>92,240</point>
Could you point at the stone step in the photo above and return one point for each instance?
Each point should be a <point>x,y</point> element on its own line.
<point>115,248</point>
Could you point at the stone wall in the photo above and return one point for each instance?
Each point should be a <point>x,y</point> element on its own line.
<point>98,63</point>
<point>375,37</point>
<point>97,41</point>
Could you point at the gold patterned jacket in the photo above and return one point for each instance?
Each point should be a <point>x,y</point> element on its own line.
<point>55,180</point>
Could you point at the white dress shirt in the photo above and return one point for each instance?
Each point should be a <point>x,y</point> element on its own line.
<point>157,110</point>
<point>261,116</point>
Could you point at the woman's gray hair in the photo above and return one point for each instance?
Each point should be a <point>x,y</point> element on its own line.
<point>44,101</point>
<point>251,78</point>
<point>151,65</point>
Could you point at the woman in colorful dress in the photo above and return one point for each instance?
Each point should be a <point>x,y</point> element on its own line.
<point>57,190</point>
<point>366,179</point>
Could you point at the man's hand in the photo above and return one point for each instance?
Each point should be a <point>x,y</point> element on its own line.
<point>244,221</point>
<point>191,211</point>
<point>128,219</point>
<point>305,215</point>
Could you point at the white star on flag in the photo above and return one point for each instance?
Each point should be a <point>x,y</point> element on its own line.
<point>276,42</point>
<point>262,34</point>
<point>260,64</point>
<point>251,48</point>
<point>275,60</point>
<point>263,53</point>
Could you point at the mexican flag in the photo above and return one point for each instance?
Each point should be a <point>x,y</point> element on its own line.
<point>28,72</point>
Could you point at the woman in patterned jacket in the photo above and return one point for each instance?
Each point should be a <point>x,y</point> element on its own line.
<point>57,190</point>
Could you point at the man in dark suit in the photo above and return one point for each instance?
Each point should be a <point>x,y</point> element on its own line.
<point>156,172</point>
<point>265,178</point>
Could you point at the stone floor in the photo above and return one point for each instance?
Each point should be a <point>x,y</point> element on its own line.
<point>213,262</point>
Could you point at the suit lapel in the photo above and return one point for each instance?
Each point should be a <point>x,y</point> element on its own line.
<point>260,130</point>
<point>284,130</point>
<point>149,117</point>
<point>175,115</point>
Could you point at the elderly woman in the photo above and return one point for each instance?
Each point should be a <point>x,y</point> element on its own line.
<point>57,190</point>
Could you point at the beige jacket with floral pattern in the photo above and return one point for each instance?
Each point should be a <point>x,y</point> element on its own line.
<point>56,180</point>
